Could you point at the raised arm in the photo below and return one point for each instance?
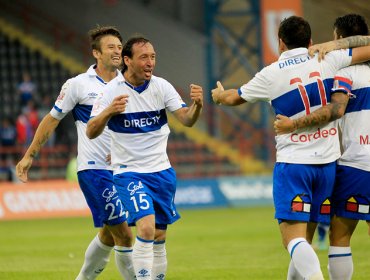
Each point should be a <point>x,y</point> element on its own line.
<point>323,115</point>
<point>189,115</point>
<point>96,125</point>
<point>344,43</point>
<point>361,54</point>
<point>228,97</point>
<point>46,127</point>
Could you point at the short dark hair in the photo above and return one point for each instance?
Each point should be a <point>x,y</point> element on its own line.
<point>351,25</point>
<point>127,47</point>
<point>100,31</point>
<point>295,32</point>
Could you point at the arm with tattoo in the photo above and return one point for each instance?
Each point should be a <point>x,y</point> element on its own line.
<point>344,43</point>
<point>323,115</point>
<point>352,42</point>
<point>46,127</point>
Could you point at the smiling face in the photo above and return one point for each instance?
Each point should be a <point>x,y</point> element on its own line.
<point>140,67</point>
<point>109,56</point>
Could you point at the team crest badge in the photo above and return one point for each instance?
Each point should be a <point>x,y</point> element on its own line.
<point>301,203</point>
<point>325,207</point>
<point>357,204</point>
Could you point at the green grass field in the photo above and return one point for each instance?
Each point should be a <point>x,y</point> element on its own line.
<point>231,243</point>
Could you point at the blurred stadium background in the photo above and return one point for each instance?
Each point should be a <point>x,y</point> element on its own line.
<point>226,160</point>
<point>196,42</point>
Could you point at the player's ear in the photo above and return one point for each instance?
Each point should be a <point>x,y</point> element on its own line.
<point>282,47</point>
<point>95,53</point>
<point>126,60</point>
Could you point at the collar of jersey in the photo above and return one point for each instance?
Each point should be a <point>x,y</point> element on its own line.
<point>100,79</point>
<point>293,52</point>
<point>91,71</point>
<point>141,88</point>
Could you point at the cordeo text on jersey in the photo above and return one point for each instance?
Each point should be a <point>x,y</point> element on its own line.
<point>293,61</point>
<point>320,133</point>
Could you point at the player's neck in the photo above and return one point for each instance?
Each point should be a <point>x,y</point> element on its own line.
<point>105,74</point>
<point>132,79</point>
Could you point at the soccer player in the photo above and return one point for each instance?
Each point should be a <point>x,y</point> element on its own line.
<point>94,172</point>
<point>134,108</point>
<point>304,173</point>
<point>322,232</point>
<point>350,101</point>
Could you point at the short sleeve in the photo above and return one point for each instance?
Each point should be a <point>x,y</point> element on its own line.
<point>256,89</point>
<point>342,81</point>
<point>172,98</point>
<point>103,100</point>
<point>66,100</point>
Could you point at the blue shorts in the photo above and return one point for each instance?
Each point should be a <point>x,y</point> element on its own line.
<point>302,192</point>
<point>149,193</point>
<point>351,194</point>
<point>102,197</point>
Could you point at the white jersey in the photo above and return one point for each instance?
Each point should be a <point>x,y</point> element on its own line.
<point>296,85</point>
<point>140,134</point>
<point>78,95</point>
<point>355,125</point>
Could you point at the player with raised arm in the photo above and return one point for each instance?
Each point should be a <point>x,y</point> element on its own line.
<point>134,108</point>
<point>94,172</point>
<point>350,101</point>
<point>304,173</point>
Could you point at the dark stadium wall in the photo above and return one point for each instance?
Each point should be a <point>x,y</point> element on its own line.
<point>176,27</point>
<point>180,48</point>
<point>321,15</point>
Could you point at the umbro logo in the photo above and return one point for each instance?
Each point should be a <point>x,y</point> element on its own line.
<point>143,273</point>
<point>92,94</point>
<point>98,271</point>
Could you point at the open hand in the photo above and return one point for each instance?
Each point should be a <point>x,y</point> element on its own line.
<point>321,49</point>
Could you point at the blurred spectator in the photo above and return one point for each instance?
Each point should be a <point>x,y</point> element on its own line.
<point>24,128</point>
<point>26,89</point>
<point>45,105</point>
<point>7,133</point>
<point>8,140</point>
<point>32,115</point>
<point>110,3</point>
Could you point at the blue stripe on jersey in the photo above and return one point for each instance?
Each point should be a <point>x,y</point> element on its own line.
<point>139,122</point>
<point>82,112</point>
<point>284,104</point>
<point>101,80</point>
<point>57,108</point>
<point>341,84</point>
<point>360,102</point>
